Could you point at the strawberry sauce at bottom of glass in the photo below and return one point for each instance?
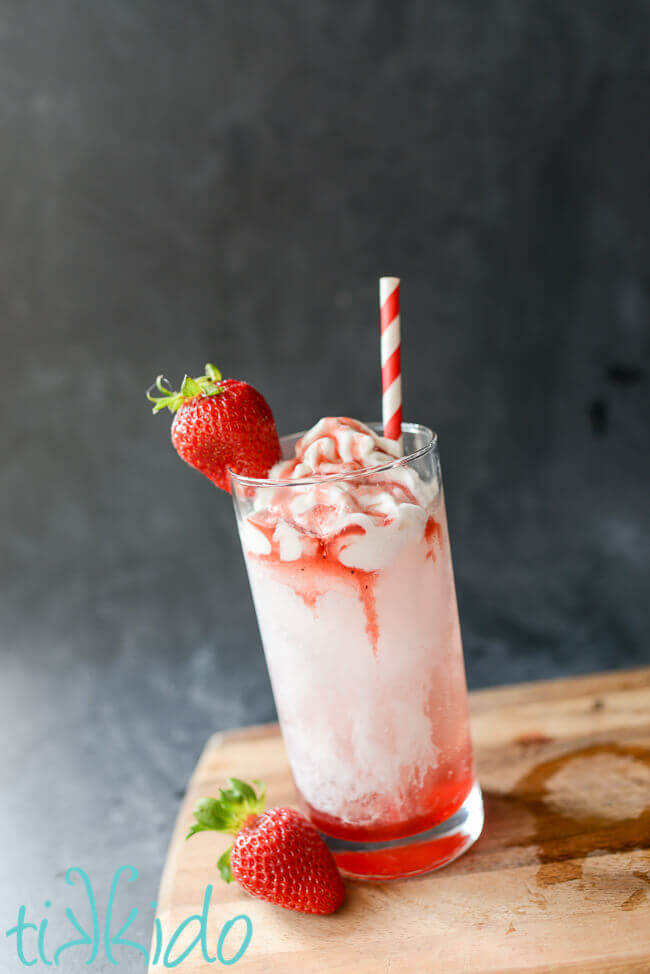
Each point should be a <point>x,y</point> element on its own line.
<point>351,576</point>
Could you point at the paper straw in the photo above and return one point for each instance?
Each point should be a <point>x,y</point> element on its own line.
<point>391,365</point>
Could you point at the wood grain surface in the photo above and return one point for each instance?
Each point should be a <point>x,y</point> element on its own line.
<point>559,880</point>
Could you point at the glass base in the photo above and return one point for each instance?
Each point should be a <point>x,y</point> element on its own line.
<point>413,854</point>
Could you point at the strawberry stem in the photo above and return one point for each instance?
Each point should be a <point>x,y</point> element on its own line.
<point>203,385</point>
<point>228,813</point>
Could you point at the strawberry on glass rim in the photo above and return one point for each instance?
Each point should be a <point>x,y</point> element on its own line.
<point>277,855</point>
<point>220,425</point>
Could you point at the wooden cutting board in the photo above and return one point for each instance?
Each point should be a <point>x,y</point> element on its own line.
<point>559,880</point>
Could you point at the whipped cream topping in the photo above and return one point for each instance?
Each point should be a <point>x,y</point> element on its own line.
<point>336,445</point>
<point>367,519</point>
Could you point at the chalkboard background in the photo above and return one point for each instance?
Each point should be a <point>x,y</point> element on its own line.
<point>182,182</point>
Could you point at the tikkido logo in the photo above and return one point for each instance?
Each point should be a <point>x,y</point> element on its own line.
<point>32,943</point>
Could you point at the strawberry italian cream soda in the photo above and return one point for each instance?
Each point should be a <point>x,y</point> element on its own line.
<point>346,545</point>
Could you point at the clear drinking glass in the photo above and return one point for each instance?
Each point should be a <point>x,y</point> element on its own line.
<point>362,641</point>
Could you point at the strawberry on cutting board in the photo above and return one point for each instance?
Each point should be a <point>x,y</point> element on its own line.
<point>220,424</point>
<point>277,855</point>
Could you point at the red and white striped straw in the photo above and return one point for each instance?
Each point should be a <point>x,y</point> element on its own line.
<point>391,364</point>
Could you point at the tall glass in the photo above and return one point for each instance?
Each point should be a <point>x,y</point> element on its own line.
<point>362,641</point>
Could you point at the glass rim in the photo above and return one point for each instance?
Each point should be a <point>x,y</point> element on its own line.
<point>432,442</point>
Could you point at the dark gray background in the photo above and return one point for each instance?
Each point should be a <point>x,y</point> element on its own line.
<point>226,181</point>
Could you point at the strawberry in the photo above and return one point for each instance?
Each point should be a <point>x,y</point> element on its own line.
<point>277,855</point>
<point>220,424</point>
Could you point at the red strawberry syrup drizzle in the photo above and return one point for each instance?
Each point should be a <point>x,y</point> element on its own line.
<point>432,534</point>
<point>311,575</point>
<point>321,565</point>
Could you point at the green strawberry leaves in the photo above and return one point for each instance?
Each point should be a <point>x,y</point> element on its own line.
<point>190,388</point>
<point>202,385</point>
<point>223,865</point>
<point>228,813</point>
<point>209,814</point>
<point>247,792</point>
<point>213,372</point>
